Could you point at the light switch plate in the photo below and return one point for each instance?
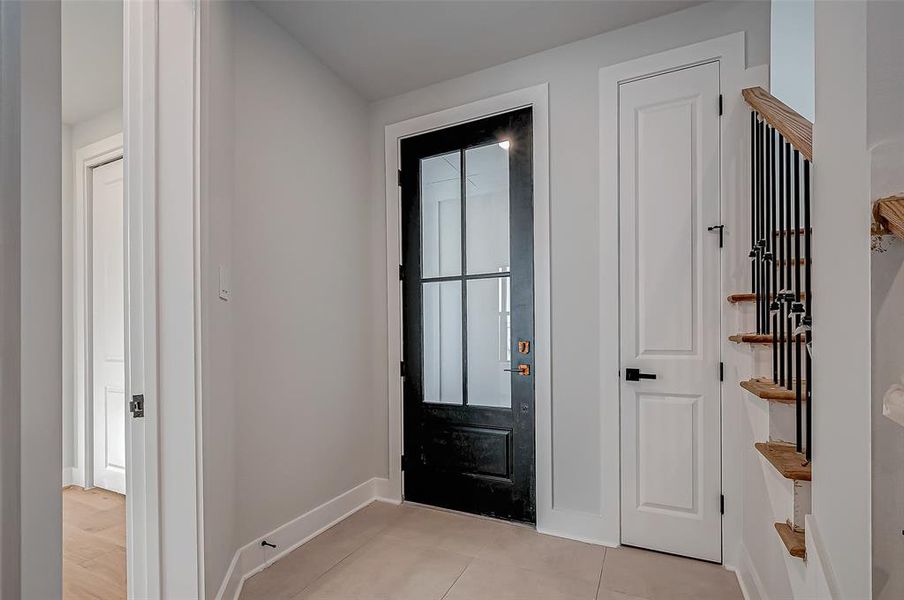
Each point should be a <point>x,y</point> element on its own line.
<point>224,282</point>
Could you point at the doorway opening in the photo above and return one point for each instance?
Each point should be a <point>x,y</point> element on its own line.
<point>94,403</point>
<point>468,317</point>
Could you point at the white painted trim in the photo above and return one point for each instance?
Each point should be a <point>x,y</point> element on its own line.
<point>86,158</point>
<point>816,552</point>
<point>729,50</point>
<point>538,97</point>
<point>252,558</point>
<point>69,477</point>
<point>140,140</point>
<point>172,214</point>
<point>198,148</point>
<point>748,579</point>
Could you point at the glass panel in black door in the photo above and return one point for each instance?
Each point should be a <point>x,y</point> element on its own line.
<point>467,246</point>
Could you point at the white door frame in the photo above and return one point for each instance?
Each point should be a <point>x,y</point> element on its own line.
<point>139,127</point>
<point>729,50</point>
<point>160,117</point>
<point>537,97</point>
<point>164,553</point>
<point>86,158</point>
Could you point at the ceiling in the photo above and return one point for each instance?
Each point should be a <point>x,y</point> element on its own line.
<point>92,58</point>
<point>383,48</point>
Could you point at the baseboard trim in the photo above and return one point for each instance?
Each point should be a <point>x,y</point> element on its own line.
<point>252,558</point>
<point>816,552</point>
<point>749,580</point>
<point>72,476</point>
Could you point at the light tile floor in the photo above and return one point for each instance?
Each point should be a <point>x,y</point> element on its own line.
<point>387,552</point>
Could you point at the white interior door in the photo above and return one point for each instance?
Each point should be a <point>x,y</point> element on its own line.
<point>670,312</point>
<point>108,327</point>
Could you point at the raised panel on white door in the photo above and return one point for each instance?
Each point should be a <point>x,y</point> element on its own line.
<point>668,450</point>
<point>114,417</point>
<point>666,213</point>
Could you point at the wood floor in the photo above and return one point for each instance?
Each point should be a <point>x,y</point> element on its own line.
<point>94,544</point>
<point>408,552</point>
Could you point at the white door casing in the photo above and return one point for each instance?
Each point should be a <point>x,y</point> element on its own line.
<point>669,192</point>
<point>108,326</point>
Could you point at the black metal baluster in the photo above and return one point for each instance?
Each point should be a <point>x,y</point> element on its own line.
<point>752,254</point>
<point>758,169</point>
<point>789,257</point>
<point>773,306</point>
<point>808,317</point>
<point>778,346</point>
<point>764,237</point>
<point>797,308</point>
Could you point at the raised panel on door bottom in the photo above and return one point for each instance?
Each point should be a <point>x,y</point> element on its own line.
<point>114,418</point>
<point>470,450</point>
<point>665,213</point>
<point>668,447</point>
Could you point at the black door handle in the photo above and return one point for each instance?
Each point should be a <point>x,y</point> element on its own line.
<point>636,375</point>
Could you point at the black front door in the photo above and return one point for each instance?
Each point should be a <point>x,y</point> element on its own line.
<point>467,289</point>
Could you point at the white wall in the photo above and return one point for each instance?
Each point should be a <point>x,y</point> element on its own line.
<point>300,298</point>
<point>10,316</point>
<point>68,241</point>
<point>572,74</point>
<point>217,197</point>
<point>75,136</point>
<point>888,436</point>
<point>30,302</point>
<point>288,390</point>
<point>885,126</point>
<point>792,76</point>
<point>41,302</point>
<point>841,296</point>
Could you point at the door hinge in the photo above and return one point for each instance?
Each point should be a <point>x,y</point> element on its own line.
<point>136,406</point>
<point>720,105</point>
<point>401,273</point>
<point>721,371</point>
<point>403,462</point>
<point>400,178</point>
<point>722,504</point>
<point>401,368</point>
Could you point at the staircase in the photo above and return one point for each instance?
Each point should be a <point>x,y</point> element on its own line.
<point>888,216</point>
<point>781,325</point>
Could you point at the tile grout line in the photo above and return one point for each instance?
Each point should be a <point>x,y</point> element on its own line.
<point>341,560</point>
<point>471,560</point>
<point>599,584</point>
<point>322,575</point>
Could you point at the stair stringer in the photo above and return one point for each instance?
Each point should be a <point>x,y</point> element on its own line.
<point>765,568</point>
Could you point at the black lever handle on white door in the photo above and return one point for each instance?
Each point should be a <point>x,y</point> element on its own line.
<point>636,375</point>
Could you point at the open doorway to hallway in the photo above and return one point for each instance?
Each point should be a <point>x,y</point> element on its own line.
<point>95,405</point>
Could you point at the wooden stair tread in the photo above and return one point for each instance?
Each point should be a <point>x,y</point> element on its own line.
<point>751,338</point>
<point>786,460</point>
<point>796,129</point>
<point>769,390</point>
<point>888,214</point>
<point>743,297</point>
<point>747,297</point>
<point>795,541</point>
